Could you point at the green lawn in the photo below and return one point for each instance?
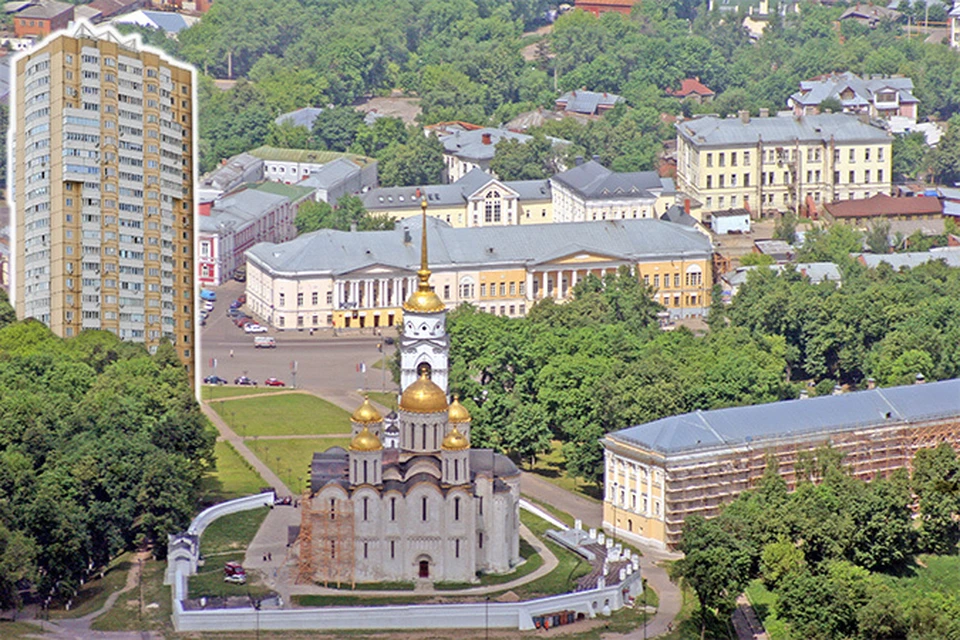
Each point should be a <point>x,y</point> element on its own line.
<point>233,478</point>
<point>209,580</point>
<point>94,593</point>
<point>126,615</point>
<point>387,399</point>
<point>552,468</point>
<point>232,532</point>
<point>353,601</point>
<point>216,391</point>
<point>16,630</point>
<point>936,574</point>
<point>294,456</point>
<point>765,604</point>
<point>291,414</point>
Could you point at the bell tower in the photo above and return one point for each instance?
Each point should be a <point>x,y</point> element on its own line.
<point>424,345</point>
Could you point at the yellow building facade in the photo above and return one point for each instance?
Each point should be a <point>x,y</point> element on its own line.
<point>360,280</point>
<point>103,172</point>
<point>781,163</point>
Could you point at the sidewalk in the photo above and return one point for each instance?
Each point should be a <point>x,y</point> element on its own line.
<point>230,436</point>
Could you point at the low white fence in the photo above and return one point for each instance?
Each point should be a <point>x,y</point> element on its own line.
<point>480,615</point>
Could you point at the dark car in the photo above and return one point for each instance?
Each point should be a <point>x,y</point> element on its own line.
<point>245,381</point>
<point>274,382</point>
<point>244,321</point>
<point>233,313</point>
<point>388,340</point>
<point>236,304</point>
<point>214,380</point>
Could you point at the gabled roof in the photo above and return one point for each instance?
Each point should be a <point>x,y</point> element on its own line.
<point>884,205</point>
<point>826,415</point>
<point>592,180</point>
<point>950,255</point>
<point>817,272</point>
<point>162,20</point>
<point>44,10</point>
<point>832,85</point>
<point>444,195</point>
<point>842,127</point>
<point>470,144</point>
<point>300,118</point>
<point>240,209</point>
<point>691,86</point>
<point>329,251</point>
<point>331,174</point>
<point>588,102</point>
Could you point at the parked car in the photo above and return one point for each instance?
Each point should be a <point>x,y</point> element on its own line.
<point>274,382</point>
<point>240,275</point>
<point>208,294</point>
<point>388,340</point>
<point>214,380</point>
<point>236,579</point>
<point>242,298</point>
<point>208,306</point>
<point>253,327</point>
<point>234,569</point>
<point>244,321</point>
<point>245,381</point>
<point>236,304</point>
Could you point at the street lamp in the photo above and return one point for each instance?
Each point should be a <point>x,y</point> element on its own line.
<point>486,618</point>
<point>643,585</point>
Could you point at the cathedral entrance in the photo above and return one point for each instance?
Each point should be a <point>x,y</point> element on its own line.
<point>424,568</point>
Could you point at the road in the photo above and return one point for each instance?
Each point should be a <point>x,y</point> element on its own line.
<point>326,365</point>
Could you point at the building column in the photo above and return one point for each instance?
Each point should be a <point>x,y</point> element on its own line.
<point>573,278</point>
<point>528,294</point>
<point>649,490</point>
<point>336,295</point>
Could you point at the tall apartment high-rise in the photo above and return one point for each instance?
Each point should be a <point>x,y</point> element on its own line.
<point>102,170</point>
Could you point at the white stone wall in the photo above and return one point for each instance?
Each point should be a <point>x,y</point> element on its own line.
<point>423,333</point>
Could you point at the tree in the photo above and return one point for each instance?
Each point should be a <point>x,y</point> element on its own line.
<point>336,129</point>
<point>878,237</point>
<point>417,162</point>
<point>786,227</point>
<point>946,157</point>
<point>936,479</point>
<point>779,559</point>
<point>531,160</point>
<point>7,313</point>
<point>910,153</point>
<point>833,104</point>
<point>527,434</point>
<point>714,564</point>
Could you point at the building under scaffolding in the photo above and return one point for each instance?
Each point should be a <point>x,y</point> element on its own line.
<point>326,543</point>
<point>660,472</point>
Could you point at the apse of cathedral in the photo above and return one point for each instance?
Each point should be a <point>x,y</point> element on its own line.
<point>411,499</point>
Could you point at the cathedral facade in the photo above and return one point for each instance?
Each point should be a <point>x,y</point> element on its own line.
<point>410,499</point>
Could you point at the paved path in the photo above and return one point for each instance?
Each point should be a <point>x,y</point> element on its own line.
<point>79,628</point>
<point>746,622</point>
<point>591,513</point>
<point>226,433</point>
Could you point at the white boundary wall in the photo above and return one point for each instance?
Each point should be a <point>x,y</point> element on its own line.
<point>494,615</point>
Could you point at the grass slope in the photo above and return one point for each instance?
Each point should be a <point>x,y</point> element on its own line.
<point>233,477</point>
<point>290,414</point>
<point>290,459</point>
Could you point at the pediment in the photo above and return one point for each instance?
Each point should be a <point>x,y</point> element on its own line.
<point>377,270</point>
<point>582,257</point>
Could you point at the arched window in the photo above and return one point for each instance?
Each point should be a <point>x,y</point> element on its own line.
<point>423,508</point>
<point>456,506</point>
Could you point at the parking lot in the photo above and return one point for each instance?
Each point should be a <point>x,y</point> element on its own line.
<point>326,364</point>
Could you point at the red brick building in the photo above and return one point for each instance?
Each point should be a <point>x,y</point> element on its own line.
<point>884,207</point>
<point>41,18</point>
<point>694,89</point>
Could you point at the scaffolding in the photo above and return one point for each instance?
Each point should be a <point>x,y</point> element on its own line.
<point>326,542</point>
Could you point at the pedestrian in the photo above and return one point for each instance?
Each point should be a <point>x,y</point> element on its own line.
<point>270,557</point>
<point>231,353</point>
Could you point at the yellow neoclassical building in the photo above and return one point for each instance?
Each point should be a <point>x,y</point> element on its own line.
<point>781,163</point>
<point>334,278</point>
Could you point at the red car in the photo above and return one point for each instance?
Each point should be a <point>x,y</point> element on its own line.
<point>274,382</point>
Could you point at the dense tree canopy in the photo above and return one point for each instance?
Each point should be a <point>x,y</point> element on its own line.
<point>101,448</point>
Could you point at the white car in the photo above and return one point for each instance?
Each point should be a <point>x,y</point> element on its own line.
<point>208,306</point>
<point>255,328</point>
<point>236,579</point>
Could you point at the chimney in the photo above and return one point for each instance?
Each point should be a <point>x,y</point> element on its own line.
<point>485,138</point>
<point>596,158</point>
<point>871,383</point>
<point>686,206</point>
<point>920,379</point>
<point>578,160</point>
<point>744,116</point>
<point>764,112</point>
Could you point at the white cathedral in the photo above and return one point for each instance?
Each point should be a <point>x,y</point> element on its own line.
<point>411,499</point>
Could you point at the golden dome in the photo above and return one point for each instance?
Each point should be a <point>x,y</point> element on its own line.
<point>366,413</point>
<point>365,441</point>
<point>457,412</point>
<point>423,396</point>
<point>455,441</point>
<point>424,300</point>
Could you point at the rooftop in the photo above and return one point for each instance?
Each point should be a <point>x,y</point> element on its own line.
<point>832,85</point>
<point>817,272</point>
<point>592,180</point>
<point>240,209</point>
<point>950,255</point>
<point>456,194</point>
<point>292,192</point>
<point>300,118</point>
<point>480,144</point>
<point>276,154</point>
<point>328,251</point>
<point>754,425</point>
<point>781,129</point>
<point>691,86</point>
<point>330,174</point>
<point>44,9</point>
<point>588,102</point>
<point>884,205</point>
